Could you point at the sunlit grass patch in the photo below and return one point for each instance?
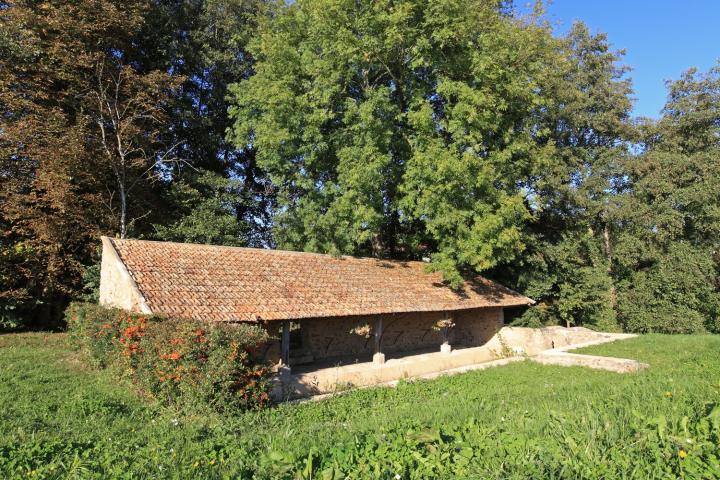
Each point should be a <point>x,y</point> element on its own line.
<point>522,420</point>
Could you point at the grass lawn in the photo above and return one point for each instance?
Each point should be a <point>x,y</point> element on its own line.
<point>60,419</point>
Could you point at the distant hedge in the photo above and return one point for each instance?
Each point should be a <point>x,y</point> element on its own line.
<point>176,361</point>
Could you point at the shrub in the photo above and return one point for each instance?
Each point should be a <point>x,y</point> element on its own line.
<point>179,362</point>
<point>676,294</point>
<point>211,364</point>
<point>99,331</point>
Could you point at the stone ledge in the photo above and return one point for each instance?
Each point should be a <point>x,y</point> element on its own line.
<point>533,343</point>
<point>565,359</point>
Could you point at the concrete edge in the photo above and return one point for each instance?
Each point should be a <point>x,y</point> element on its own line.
<point>427,376</point>
<point>596,362</point>
<point>109,246</point>
<point>550,353</point>
<point>590,343</point>
<point>559,352</point>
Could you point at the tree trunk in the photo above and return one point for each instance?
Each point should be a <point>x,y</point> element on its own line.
<point>608,254</point>
<point>123,211</point>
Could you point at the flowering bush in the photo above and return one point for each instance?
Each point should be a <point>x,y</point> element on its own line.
<point>105,334</point>
<point>211,364</point>
<point>444,323</point>
<point>362,331</point>
<point>178,362</point>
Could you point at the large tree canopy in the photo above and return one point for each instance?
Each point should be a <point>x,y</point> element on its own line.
<point>60,184</point>
<point>104,104</point>
<point>671,230</point>
<point>455,130</point>
<point>399,128</point>
<point>569,265</point>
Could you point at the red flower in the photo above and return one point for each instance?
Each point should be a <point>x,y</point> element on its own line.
<point>175,355</point>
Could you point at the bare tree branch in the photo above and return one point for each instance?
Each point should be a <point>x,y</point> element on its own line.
<point>129,118</point>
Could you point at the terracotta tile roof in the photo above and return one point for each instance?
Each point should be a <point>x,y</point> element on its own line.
<point>239,284</point>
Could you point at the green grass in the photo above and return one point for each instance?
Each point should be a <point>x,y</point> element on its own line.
<point>60,419</point>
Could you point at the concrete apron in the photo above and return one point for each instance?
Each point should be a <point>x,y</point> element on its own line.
<point>547,346</point>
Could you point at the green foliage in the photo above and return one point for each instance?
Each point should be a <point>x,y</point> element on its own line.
<point>204,41</point>
<point>180,363</point>
<point>669,267</point>
<point>675,295</point>
<point>570,262</point>
<point>94,330</point>
<point>206,212</point>
<point>16,269</point>
<point>518,421</point>
<point>619,238</point>
<point>395,127</point>
<point>573,278</point>
<point>91,284</point>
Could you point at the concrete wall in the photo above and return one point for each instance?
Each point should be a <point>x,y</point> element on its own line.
<point>117,288</point>
<point>328,339</point>
<point>509,344</point>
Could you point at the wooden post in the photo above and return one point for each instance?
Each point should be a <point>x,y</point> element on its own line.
<point>378,334</point>
<point>379,357</point>
<point>285,344</point>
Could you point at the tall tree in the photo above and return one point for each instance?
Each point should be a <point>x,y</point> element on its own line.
<point>127,109</point>
<point>205,42</point>
<point>673,215</point>
<point>569,266</point>
<point>398,129</point>
<point>57,183</point>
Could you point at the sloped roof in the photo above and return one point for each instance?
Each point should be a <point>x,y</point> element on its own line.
<point>216,283</point>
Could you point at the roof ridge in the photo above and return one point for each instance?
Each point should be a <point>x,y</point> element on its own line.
<point>270,250</point>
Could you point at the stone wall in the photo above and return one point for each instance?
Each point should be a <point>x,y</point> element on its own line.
<point>474,328</point>
<point>117,288</point>
<point>330,338</point>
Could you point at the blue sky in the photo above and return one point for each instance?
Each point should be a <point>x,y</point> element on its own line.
<point>662,38</point>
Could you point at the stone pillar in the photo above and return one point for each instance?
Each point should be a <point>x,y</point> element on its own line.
<point>378,358</point>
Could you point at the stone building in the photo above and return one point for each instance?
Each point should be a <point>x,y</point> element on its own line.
<point>325,310</point>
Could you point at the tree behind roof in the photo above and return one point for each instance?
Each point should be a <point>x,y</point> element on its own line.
<point>59,191</point>
<point>397,129</point>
